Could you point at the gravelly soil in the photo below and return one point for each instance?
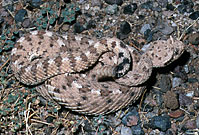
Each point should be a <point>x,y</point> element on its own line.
<point>168,106</point>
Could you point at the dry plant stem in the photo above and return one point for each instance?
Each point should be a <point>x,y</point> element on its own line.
<point>38,121</point>
<point>4,64</point>
<point>11,13</point>
<point>141,101</point>
<point>188,28</point>
<point>26,114</point>
<point>131,44</point>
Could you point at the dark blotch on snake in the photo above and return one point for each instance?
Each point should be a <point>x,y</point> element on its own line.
<point>121,54</point>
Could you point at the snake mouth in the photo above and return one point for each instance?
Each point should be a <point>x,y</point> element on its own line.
<point>122,68</point>
<point>35,57</point>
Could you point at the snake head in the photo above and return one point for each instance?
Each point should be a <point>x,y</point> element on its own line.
<point>122,68</point>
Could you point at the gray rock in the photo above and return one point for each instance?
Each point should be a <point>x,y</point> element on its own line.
<point>164,83</point>
<point>131,118</point>
<point>165,28</point>
<point>20,15</point>
<point>36,3</point>
<point>96,3</point>
<point>194,15</point>
<point>137,130</point>
<point>184,100</point>
<point>111,9</point>
<point>6,2</point>
<point>26,23</point>
<point>197,121</point>
<point>147,5</point>
<point>161,122</point>
<point>144,28</point>
<point>111,2</point>
<point>194,38</point>
<point>176,82</point>
<point>126,131</point>
<point>130,9</point>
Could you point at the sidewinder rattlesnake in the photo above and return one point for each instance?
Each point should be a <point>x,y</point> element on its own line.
<point>88,75</point>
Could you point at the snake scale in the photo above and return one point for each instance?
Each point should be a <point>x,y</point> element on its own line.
<point>86,74</point>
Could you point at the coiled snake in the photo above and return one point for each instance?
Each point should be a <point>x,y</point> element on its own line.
<point>88,75</point>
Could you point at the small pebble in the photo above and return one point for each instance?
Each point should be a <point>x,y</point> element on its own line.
<point>164,83</point>
<point>26,23</point>
<point>190,124</point>
<point>162,3</point>
<point>176,114</point>
<point>65,27</point>
<point>190,94</point>
<point>6,2</point>
<point>170,132</point>
<point>196,92</point>
<point>115,121</point>
<point>111,9</point>
<point>126,131</point>
<point>145,47</point>
<point>20,15</point>
<point>82,1</point>
<point>130,9</point>
<point>170,100</point>
<point>186,68</point>
<point>158,99</point>
<point>173,24</point>
<point>86,6</point>
<point>148,35</point>
<point>147,107</point>
<point>137,130</point>
<point>197,121</point>
<point>161,122</point>
<point>165,28</point>
<point>192,80</point>
<point>144,28</point>
<point>96,3</point>
<point>184,100</point>
<point>118,129</point>
<point>170,7</point>
<point>154,132</point>
<point>125,29</point>
<point>1,19</point>
<point>194,39</point>
<point>176,82</point>
<point>182,9</point>
<point>185,6</point>
<point>42,102</point>
<point>150,101</point>
<point>180,73</point>
<point>147,5</point>
<point>10,7</point>
<point>36,3</point>
<point>78,28</point>
<point>87,126</point>
<point>131,118</point>
<point>90,24</point>
<point>49,119</point>
<point>111,2</point>
<point>47,130</point>
<point>194,15</point>
<point>4,12</point>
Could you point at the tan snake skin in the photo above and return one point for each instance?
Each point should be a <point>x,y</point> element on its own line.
<point>88,75</point>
